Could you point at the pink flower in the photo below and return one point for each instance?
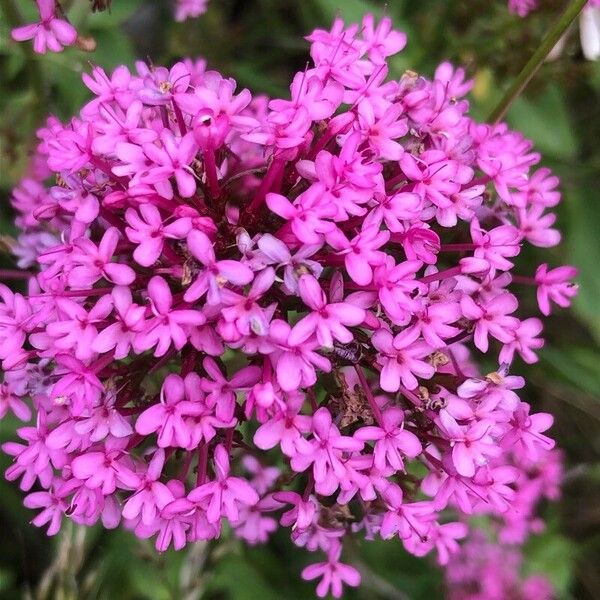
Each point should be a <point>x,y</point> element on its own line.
<point>527,432</point>
<point>295,363</point>
<point>326,453</point>
<point>327,320</point>
<point>333,573</point>
<point>169,417</point>
<point>307,216</point>
<point>491,318</point>
<point>54,507</point>
<point>215,273</point>
<point>495,245</point>
<point>150,495</point>
<point>92,262</point>
<point>75,329</point>
<point>285,429</point>
<point>226,494</point>
<point>128,323</point>
<point>216,277</point>
<point>105,469</point>
<point>148,231</point>
<point>555,285</point>
<point>400,359</point>
<point>471,445</point>
<point>50,33</point>
<point>17,318</point>
<point>221,391</point>
<point>381,41</point>
<point>360,254</point>
<point>168,326</point>
<point>159,163</point>
<point>391,440</point>
<point>524,341</point>
<point>10,400</point>
<point>189,9</point>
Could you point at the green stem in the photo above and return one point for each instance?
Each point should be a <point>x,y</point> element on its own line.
<point>535,62</point>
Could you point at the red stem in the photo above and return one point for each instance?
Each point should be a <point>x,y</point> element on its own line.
<point>372,402</point>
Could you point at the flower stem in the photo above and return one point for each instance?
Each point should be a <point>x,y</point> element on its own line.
<point>535,62</point>
<point>369,394</point>
<point>15,274</point>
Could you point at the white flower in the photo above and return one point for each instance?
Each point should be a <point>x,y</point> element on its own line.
<point>589,31</point>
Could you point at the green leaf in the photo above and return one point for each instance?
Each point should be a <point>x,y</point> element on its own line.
<point>577,366</point>
<point>352,11</point>
<point>554,556</point>
<point>583,251</point>
<point>241,580</point>
<point>118,13</point>
<point>545,120</point>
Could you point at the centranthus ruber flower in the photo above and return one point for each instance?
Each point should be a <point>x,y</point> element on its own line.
<point>333,573</point>
<point>246,314</point>
<point>189,9</point>
<point>50,33</point>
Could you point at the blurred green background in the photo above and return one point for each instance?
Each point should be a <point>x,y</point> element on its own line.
<point>260,43</point>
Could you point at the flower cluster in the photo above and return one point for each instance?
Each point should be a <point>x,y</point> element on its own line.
<point>484,570</point>
<point>268,313</point>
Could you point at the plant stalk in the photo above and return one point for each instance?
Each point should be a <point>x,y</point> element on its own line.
<point>535,62</point>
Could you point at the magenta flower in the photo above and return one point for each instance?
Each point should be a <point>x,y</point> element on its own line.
<point>226,494</point>
<point>333,573</point>
<point>396,286</point>
<point>151,495</point>
<point>168,326</point>
<point>277,253</point>
<point>105,469</point>
<point>406,520</point>
<point>92,262</point>
<point>391,440</point>
<point>555,285</point>
<point>169,418</point>
<point>471,446</point>
<point>401,359</point>
<point>491,318</point>
<point>296,363</point>
<point>159,85</point>
<point>105,420</point>
<point>50,33</point>
<point>527,431</point>
<point>10,400</point>
<point>216,273</point>
<point>524,341</point>
<point>285,429</point>
<point>361,253</point>
<point>307,217</point>
<point>189,9</point>
<point>326,453</point>
<point>128,323</point>
<point>327,320</point>
<point>495,245</point>
<point>76,328</point>
<point>382,40</point>
<point>54,507</point>
<point>148,231</point>
<point>17,318</point>
<point>221,391</point>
